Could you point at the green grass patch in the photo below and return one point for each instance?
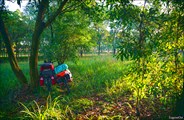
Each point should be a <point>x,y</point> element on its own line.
<point>8,80</point>
<point>102,88</point>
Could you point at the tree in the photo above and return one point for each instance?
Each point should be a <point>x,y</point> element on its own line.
<point>102,35</point>
<point>174,45</point>
<point>66,41</point>
<point>115,34</point>
<point>42,22</point>
<point>152,32</point>
<point>17,30</point>
<point>13,61</point>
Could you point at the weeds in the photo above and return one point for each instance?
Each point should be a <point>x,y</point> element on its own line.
<point>105,88</point>
<point>52,110</point>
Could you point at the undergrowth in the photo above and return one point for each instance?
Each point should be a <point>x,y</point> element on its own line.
<point>104,88</point>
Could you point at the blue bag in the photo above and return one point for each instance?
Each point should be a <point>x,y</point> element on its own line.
<point>60,68</point>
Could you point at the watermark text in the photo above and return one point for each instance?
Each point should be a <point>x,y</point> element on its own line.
<point>176,117</point>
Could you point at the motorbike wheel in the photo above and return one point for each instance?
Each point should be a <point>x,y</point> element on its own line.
<point>66,85</point>
<point>48,84</point>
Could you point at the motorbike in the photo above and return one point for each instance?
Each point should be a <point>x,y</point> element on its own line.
<point>50,75</point>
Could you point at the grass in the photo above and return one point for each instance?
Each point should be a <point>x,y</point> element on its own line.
<point>103,88</point>
<point>91,76</point>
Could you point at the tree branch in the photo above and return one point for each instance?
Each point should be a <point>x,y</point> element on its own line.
<point>59,10</point>
<point>72,7</point>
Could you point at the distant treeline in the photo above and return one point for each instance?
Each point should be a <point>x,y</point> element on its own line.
<point>22,58</point>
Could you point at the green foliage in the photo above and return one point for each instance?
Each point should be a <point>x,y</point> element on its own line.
<point>19,32</point>
<point>71,33</point>
<point>160,81</point>
<point>156,45</point>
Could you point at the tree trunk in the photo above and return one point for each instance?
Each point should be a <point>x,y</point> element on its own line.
<point>33,61</point>
<point>12,59</point>
<point>39,27</point>
<point>1,47</point>
<point>114,43</point>
<point>99,47</point>
<point>114,50</point>
<point>52,34</point>
<point>183,89</point>
<point>81,51</point>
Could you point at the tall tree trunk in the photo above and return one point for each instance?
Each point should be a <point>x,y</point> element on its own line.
<point>114,48</point>
<point>39,27</point>
<point>52,34</point>
<point>1,47</point>
<point>33,62</point>
<point>13,61</point>
<point>81,51</point>
<point>114,42</point>
<point>99,47</point>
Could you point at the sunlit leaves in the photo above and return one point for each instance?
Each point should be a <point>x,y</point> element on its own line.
<point>70,32</point>
<point>160,80</point>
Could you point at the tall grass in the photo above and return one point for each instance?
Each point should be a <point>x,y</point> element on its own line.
<point>51,110</point>
<point>8,80</point>
<point>102,76</point>
<point>94,74</point>
<point>91,74</point>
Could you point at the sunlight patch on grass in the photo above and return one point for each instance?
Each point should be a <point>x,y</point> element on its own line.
<point>52,110</point>
<point>119,87</point>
